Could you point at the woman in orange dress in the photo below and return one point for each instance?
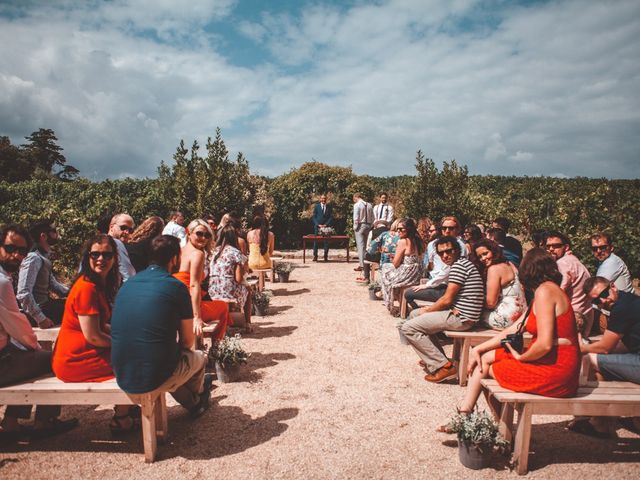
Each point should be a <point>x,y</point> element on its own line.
<point>83,348</point>
<point>550,366</point>
<point>191,273</point>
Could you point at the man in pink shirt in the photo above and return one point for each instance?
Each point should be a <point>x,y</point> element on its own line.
<point>574,274</point>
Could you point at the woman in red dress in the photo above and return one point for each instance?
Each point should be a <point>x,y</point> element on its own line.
<point>551,364</point>
<point>83,348</point>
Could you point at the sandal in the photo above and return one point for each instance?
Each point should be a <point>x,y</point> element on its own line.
<point>118,425</point>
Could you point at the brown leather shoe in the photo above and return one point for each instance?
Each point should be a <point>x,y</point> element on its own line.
<point>447,372</point>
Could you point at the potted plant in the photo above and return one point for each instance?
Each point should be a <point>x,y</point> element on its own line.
<point>229,355</point>
<point>283,269</point>
<point>260,302</point>
<point>373,288</point>
<point>477,437</point>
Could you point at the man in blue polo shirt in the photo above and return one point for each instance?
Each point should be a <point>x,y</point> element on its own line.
<point>150,311</point>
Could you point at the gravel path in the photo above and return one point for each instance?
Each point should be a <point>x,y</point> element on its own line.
<point>329,392</point>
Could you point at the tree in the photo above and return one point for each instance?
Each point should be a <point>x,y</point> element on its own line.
<point>14,167</point>
<point>45,154</point>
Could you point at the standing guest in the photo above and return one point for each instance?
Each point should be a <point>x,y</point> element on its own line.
<point>36,279</point>
<point>510,243</point>
<point>139,246</point>
<point>498,236</point>
<point>504,301</point>
<point>383,211</point>
<point>20,355</point>
<point>459,308</point>
<point>83,349</point>
<point>322,217</point>
<point>610,265</point>
<point>574,274</point>
<point>362,221</point>
<point>175,227</point>
<point>120,228</point>
<point>152,335</point>
<point>191,273</point>
<point>261,244</point>
<point>226,273</point>
<point>406,267</point>
<point>551,364</point>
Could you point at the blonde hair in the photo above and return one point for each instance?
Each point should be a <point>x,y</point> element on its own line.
<point>198,222</point>
<point>394,225</point>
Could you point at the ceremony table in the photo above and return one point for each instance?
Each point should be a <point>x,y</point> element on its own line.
<point>323,238</point>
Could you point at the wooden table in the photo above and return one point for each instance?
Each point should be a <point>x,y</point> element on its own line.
<point>322,238</point>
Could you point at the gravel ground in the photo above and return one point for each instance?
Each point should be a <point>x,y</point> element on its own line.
<point>329,392</point>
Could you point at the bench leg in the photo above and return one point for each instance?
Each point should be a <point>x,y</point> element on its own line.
<point>162,424</point>
<point>523,438</point>
<point>505,422</point>
<point>261,276</point>
<point>149,429</point>
<point>464,362</point>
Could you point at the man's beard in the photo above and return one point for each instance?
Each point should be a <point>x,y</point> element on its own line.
<point>10,266</point>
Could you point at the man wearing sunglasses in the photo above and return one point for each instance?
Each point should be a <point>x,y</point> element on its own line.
<point>20,355</point>
<point>574,274</point>
<point>610,265</point>
<point>36,279</point>
<point>120,228</point>
<point>459,308</point>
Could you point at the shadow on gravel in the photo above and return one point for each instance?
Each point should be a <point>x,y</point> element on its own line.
<point>274,310</point>
<point>264,330</point>
<point>283,292</point>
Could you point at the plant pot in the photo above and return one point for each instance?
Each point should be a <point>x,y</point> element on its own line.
<point>471,456</point>
<point>261,310</point>
<point>372,295</point>
<point>227,373</point>
<point>403,339</point>
<point>283,277</point>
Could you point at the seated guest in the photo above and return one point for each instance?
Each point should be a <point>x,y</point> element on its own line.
<point>120,228</point>
<point>21,358</point>
<point>406,266</point>
<point>174,227</point>
<point>471,235</point>
<point>539,238</point>
<point>373,252</point>
<point>498,236</point>
<point>510,243</point>
<point>424,229</point>
<point>610,266</point>
<point>551,364</point>
<point>139,246</point>
<point>152,335</point>
<point>233,220</point>
<point>211,221</point>
<point>36,279</point>
<point>191,273</point>
<point>504,301</point>
<point>574,274</point>
<point>83,349</point>
<point>458,309</point>
<point>261,244</point>
<point>226,272</point>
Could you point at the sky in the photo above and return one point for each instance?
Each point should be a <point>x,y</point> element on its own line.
<point>504,87</point>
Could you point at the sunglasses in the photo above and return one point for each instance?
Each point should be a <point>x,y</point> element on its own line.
<point>206,235</point>
<point>448,251</point>
<point>125,228</point>
<point>105,255</point>
<point>604,294</point>
<point>599,248</point>
<point>553,246</point>
<point>10,248</point>
<point>401,229</point>
<point>448,228</point>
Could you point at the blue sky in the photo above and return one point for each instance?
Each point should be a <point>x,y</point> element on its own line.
<point>505,87</point>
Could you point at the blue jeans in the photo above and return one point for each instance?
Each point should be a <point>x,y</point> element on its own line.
<point>620,366</point>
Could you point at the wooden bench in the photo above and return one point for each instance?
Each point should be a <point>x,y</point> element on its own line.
<point>262,274</point>
<point>51,391</point>
<point>610,399</point>
<point>46,334</point>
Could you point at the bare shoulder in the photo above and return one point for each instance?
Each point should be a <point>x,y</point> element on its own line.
<point>549,292</point>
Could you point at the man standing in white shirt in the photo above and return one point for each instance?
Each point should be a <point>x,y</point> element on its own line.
<point>120,228</point>
<point>362,221</point>
<point>174,227</point>
<point>383,211</point>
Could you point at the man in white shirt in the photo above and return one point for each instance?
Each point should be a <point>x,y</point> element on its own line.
<point>120,228</point>
<point>383,211</point>
<point>20,355</point>
<point>610,265</point>
<point>362,221</point>
<point>174,227</point>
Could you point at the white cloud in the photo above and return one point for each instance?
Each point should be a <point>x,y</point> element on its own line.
<point>521,156</point>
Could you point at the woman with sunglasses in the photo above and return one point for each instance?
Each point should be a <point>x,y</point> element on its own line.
<point>191,273</point>
<point>83,349</point>
<point>261,244</point>
<point>406,267</point>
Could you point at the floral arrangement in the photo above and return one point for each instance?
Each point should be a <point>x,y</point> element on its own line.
<point>476,428</point>
<point>327,231</point>
<point>374,285</point>
<point>262,299</point>
<point>284,267</point>
<point>229,351</point>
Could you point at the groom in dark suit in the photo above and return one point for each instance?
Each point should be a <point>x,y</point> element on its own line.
<point>322,217</point>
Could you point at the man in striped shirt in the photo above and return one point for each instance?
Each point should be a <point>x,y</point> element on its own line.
<point>458,309</point>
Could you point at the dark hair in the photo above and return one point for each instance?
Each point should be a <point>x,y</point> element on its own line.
<point>226,236</point>
<point>448,239</point>
<point>538,237</point>
<point>475,232</point>
<point>412,233</point>
<point>537,267</point>
<point>556,234</point>
<point>112,283</point>
<point>38,228</point>
<point>591,282</point>
<point>493,247</point>
<point>18,230</point>
<point>175,214</point>
<point>163,249</point>
<point>504,223</point>
<point>498,235</point>
<point>599,235</point>
<point>383,193</point>
<point>103,223</point>
<point>261,223</point>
